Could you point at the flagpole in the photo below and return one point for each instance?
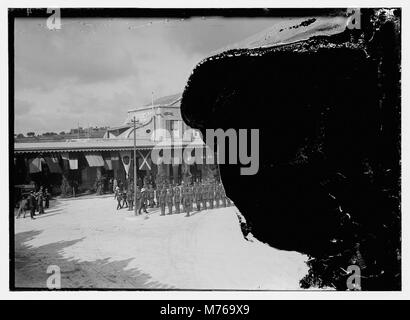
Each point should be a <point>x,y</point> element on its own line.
<point>135,169</point>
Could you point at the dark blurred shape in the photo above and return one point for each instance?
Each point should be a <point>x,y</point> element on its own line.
<point>326,99</point>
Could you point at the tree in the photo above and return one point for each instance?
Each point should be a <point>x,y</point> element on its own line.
<point>20,135</point>
<point>30,134</point>
<point>62,133</point>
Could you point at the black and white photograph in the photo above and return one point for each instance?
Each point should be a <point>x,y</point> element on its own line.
<point>205,149</point>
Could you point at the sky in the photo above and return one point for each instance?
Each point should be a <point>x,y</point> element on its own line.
<point>92,70</point>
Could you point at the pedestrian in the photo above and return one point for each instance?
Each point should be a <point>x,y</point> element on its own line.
<point>198,195</point>
<point>169,199</point>
<point>130,198</point>
<point>177,199</point>
<point>162,196</point>
<point>211,195</point>
<point>32,204</point>
<point>223,195</point>
<point>151,195</point>
<point>40,199</point>
<point>144,198</point>
<point>124,199</point>
<point>188,199</point>
<point>137,204</point>
<point>22,207</point>
<point>47,196</point>
<point>119,199</point>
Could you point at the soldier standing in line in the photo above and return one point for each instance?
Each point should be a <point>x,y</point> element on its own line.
<point>198,195</point>
<point>40,199</point>
<point>32,204</point>
<point>217,194</point>
<point>188,197</point>
<point>211,195</point>
<point>137,204</point>
<point>157,193</point>
<point>162,196</point>
<point>47,198</point>
<point>177,198</point>
<point>169,198</point>
<point>183,191</point>
<point>204,195</point>
<point>151,195</point>
<point>223,195</point>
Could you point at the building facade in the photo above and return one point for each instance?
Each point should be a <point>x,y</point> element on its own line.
<point>89,165</point>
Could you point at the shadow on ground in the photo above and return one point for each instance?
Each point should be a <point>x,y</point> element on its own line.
<point>31,265</point>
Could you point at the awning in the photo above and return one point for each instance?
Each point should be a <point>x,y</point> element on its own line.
<point>72,160</point>
<point>35,165</point>
<point>107,162</point>
<point>94,159</point>
<point>52,163</point>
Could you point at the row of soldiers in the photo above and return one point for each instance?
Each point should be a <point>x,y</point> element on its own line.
<point>202,195</point>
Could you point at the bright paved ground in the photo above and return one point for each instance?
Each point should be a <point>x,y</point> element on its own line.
<point>96,246</point>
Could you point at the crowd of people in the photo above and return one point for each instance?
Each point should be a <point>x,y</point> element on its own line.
<point>34,202</point>
<point>172,198</point>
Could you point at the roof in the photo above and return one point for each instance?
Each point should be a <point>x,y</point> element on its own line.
<point>87,145</point>
<point>173,100</point>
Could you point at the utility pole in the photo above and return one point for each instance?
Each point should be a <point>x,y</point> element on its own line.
<point>135,168</point>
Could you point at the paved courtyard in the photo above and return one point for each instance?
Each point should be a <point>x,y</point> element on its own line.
<point>97,246</point>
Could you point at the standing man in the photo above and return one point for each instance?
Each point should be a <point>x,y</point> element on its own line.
<point>177,198</point>
<point>188,199</point>
<point>138,196</point>
<point>32,204</point>
<point>40,199</point>
<point>162,196</point>
<point>217,194</point>
<point>130,198</point>
<point>204,192</point>
<point>144,198</point>
<point>169,198</point>
<point>124,198</point>
<point>47,198</point>
<point>23,204</point>
<point>151,195</point>
<point>223,195</point>
<point>198,195</point>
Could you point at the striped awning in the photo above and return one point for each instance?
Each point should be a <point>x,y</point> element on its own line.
<point>94,159</point>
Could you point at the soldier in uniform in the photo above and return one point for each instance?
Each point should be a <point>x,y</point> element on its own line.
<point>144,199</point>
<point>124,199</point>
<point>223,195</point>
<point>197,195</point>
<point>161,201</point>
<point>177,198</point>
<point>204,195</point>
<point>169,198</point>
<point>157,193</point>
<point>138,196</point>
<point>151,195</point>
<point>130,198</point>
<point>183,191</point>
<point>211,195</point>
<point>218,193</point>
<point>32,204</point>
<point>188,197</point>
<point>40,198</point>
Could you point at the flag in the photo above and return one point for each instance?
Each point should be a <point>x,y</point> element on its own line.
<point>126,160</point>
<point>144,162</point>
